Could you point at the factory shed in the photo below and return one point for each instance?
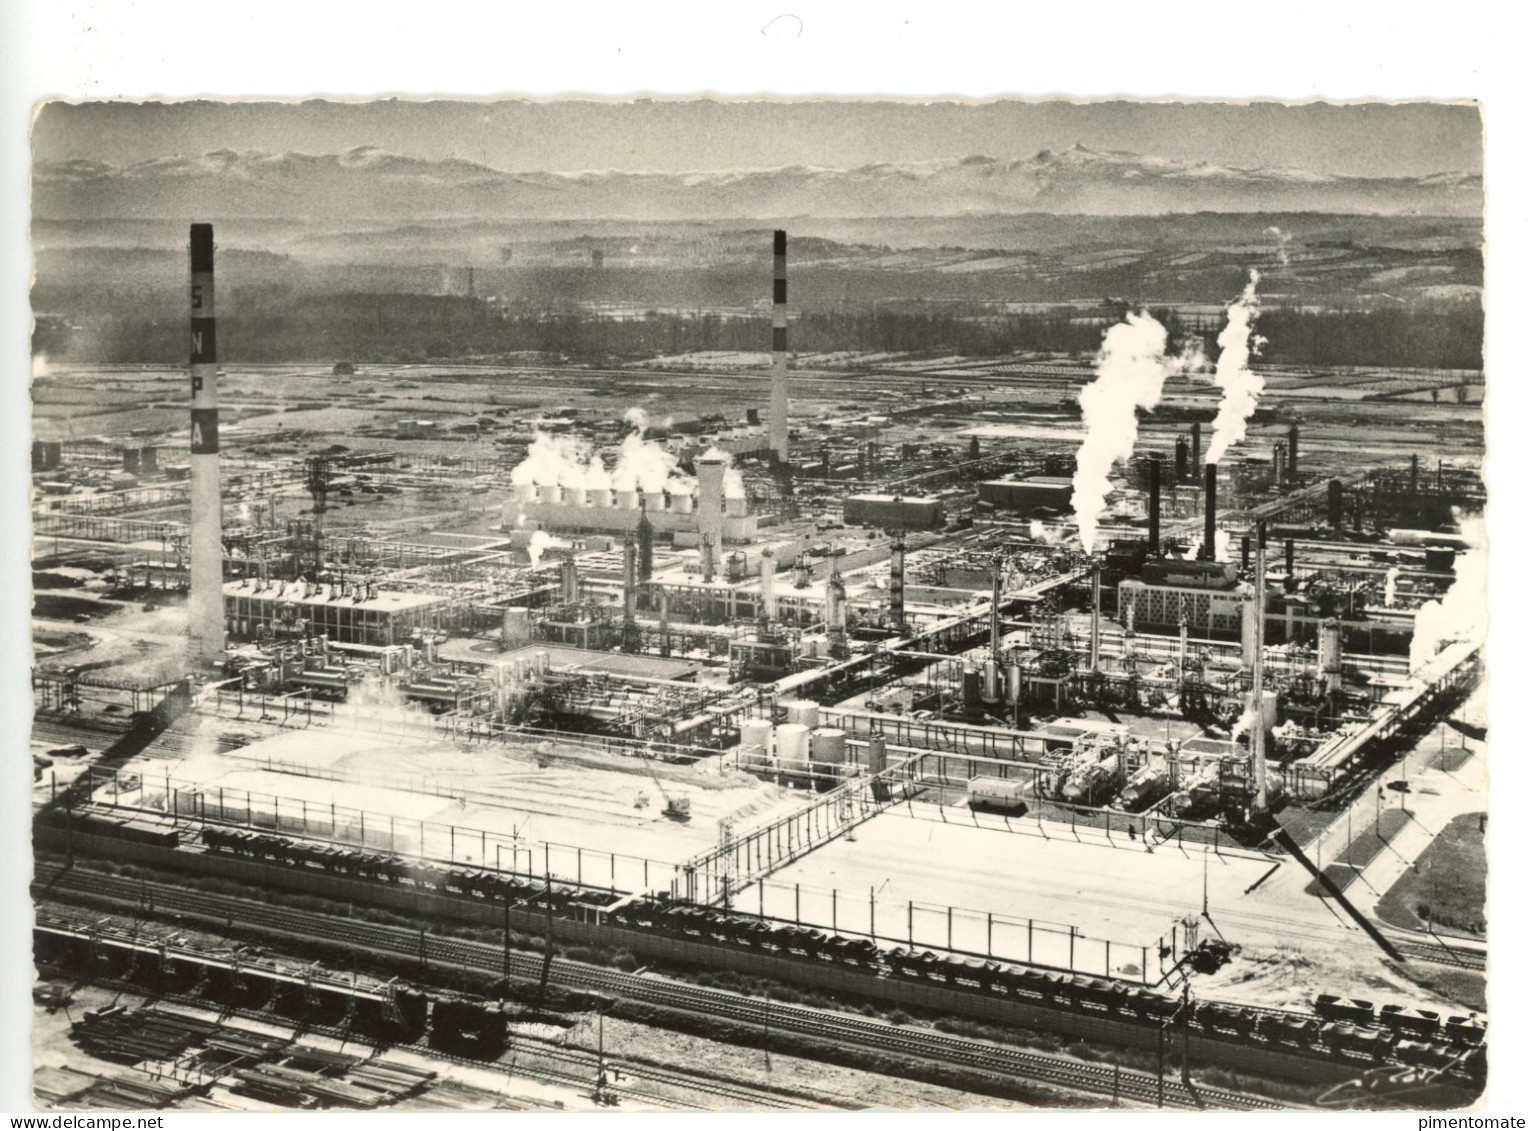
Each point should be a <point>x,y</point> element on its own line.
<point>893,512</point>
<point>346,614</point>
<point>1037,491</point>
<point>555,657</point>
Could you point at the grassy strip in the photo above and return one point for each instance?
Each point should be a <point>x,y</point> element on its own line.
<point>1448,885</point>
<point>1368,843</point>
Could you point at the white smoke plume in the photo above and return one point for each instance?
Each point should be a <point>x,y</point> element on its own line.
<point>537,545</point>
<point>1222,546</point>
<point>567,461</point>
<point>1240,386</point>
<point>1391,575</point>
<point>735,485</point>
<point>1462,613</point>
<point>1131,368</point>
<point>1283,250</point>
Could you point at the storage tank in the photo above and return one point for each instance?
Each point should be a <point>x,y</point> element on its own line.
<point>549,493</point>
<point>599,497</point>
<point>793,743</point>
<point>682,503</point>
<point>735,507</point>
<point>626,499</point>
<point>828,745</point>
<point>655,501</point>
<point>756,743</point>
<point>991,682</point>
<point>524,492</point>
<point>971,687</point>
<point>804,713</point>
<point>573,496</point>
<point>1014,685</point>
<point>1270,710</point>
<point>516,627</point>
<point>1330,654</point>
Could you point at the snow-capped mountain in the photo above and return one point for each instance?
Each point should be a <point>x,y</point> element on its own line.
<point>367,182</point>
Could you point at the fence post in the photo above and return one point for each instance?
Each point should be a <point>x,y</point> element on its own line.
<point>833,910</point>
<point>1107,960</point>
<point>951,926</point>
<point>1071,945</point>
<point>871,914</point>
<point>910,941</point>
<point>796,905</point>
<point>1031,940</point>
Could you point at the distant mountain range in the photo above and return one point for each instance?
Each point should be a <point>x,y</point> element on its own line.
<point>370,183</point>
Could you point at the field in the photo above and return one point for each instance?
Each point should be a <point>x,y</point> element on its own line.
<point>1448,888</point>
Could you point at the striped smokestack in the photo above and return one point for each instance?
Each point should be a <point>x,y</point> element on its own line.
<point>778,390</point>
<point>205,605</point>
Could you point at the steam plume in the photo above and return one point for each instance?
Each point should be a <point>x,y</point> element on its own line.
<point>1462,614</point>
<point>1132,365</point>
<point>1283,250</point>
<point>1240,386</point>
<point>537,545</point>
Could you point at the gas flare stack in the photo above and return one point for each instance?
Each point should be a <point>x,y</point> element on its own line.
<point>205,604</point>
<point>778,389</point>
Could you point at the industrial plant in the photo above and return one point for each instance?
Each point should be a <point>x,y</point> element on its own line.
<point>1056,728</point>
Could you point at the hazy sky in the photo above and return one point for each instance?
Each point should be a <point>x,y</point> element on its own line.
<point>1368,140</point>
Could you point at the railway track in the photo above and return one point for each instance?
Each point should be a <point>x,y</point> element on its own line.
<point>1441,954</point>
<point>845,1029</point>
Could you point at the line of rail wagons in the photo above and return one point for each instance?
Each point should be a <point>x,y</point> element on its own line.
<point>1354,1030</point>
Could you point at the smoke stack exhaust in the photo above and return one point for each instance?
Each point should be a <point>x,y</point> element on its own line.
<point>778,389</point>
<point>898,582</point>
<point>205,604</point>
<point>1181,460</point>
<point>1335,503</point>
<point>1194,443</point>
<point>1294,450</point>
<point>1154,508</point>
<point>1208,550</point>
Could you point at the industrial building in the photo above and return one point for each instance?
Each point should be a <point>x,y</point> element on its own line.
<point>893,512</point>
<point>1038,492</point>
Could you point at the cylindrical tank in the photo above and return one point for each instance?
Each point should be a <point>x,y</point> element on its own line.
<point>1249,634</point>
<point>1330,653</point>
<point>682,503</point>
<point>793,742</point>
<point>1014,684</point>
<point>828,745</point>
<point>756,742</point>
<point>991,682</point>
<point>524,492</point>
<point>735,507</point>
<point>876,753</point>
<point>626,499</point>
<point>516,627</point>
<point>971,687</point>
<point>1270,710</point>
<point>655,501</point>
<point>809,646</point>
<point>541,661</point>
<point>599,497</point>
<point>549,493</point>
<point>803,712</point>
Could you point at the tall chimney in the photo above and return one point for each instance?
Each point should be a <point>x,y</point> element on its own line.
<point>1294,450</point>
<point>711,498</point>
<point>1412,485</point>
<point>1257,729</point>
<point>1194,443</point>
<point>996,607</point>
<point>1279,460</point>
<point>1208,551</point>
<point>1096,629</point>
<point>769,588</point>
<point>706,547</point>
<point>1181,460</point>
<point>1247,547</point>
<point>205,605</point>
<point>778,389</point>
<point>1154,508</point>
<point>898,581</point>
